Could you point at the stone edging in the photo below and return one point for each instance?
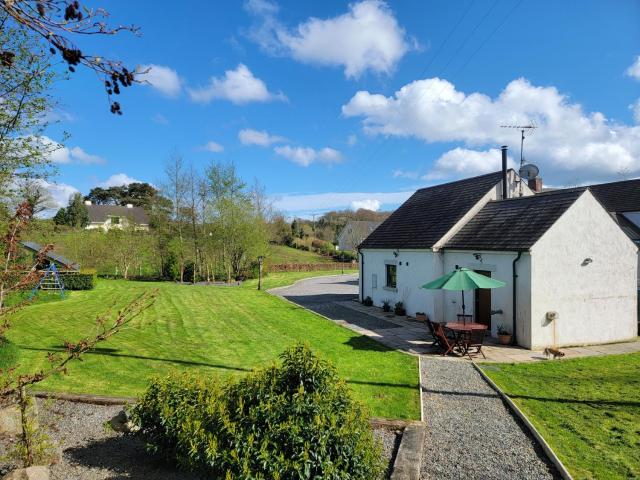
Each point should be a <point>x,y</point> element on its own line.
<point>409,457</point>
<point>86,398</point>
<point>564,473</point>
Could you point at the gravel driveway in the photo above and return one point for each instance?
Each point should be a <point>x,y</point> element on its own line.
<point>470,432</point>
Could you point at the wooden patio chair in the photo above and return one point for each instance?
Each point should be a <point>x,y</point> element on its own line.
<point>474,340</point>
<point>446,343</point>
<point>432,331</point>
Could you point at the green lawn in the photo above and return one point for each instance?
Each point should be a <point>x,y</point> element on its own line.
<point>588,410</point>
<point>217,330</point>
<point>282,254</point>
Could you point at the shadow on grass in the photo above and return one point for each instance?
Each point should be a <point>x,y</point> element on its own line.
<point>365,343</point>
<point>110,352</point>
<point>610,403</point>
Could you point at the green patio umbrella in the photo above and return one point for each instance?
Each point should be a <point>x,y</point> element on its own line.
<point>463,279</point>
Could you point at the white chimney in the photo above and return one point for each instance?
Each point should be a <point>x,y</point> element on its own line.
<point>129,205</point>
<point>87,202</point>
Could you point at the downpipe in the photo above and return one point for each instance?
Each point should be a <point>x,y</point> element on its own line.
<point>514,338</point>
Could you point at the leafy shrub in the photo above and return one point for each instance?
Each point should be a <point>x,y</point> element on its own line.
<point>367,302</point>
<point>78,281</point>
<point>399,309</point>
<point>296,420</point>
<point>346,256</point>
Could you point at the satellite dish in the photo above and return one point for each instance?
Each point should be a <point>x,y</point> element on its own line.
<point>529,171</point>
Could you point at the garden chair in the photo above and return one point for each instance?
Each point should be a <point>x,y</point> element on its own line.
<point>474,339</point>
<point>446,343</point>
<point>432,331</point>
<point>465,318</point>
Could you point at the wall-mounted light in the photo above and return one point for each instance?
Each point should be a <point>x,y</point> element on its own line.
<point>396,253</point>
<point>587,261</point>
<point>478,256</point>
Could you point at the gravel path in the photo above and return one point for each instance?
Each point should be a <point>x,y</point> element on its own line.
<point>470,432</point>
<point>90,451</point>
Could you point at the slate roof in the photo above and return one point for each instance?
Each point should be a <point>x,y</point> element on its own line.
<point>52,256</point>
<point>514,224</point>
<point>100,213</point>
<point>430,213</point>
<point>623,196</point>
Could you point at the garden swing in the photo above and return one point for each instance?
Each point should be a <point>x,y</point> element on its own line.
<point>49,281</point>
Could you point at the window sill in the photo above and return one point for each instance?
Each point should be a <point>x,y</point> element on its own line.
<point>391,289</point>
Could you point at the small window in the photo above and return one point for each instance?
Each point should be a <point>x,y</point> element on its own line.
<point>391,275</point>
<point>115,220</point>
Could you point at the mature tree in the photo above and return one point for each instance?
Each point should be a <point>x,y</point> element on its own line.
<point>175,189</point>
<point>60,218</point>
<point>224,182</point>
<point>76,213</point>
<point>36,195</point>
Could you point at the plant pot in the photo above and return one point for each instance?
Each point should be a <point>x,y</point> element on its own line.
<point>421,317</point>
<point>504,339</point>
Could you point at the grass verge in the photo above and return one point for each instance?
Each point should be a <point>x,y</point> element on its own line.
<point>587,409</point>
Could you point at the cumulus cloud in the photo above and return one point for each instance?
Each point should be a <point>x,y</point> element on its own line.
<point>635,108</point>
<point>569,142</point>
<point>261,138</point>
<point>58,153</point>
<point>163,79</point>
<point>367,37</point>
<point>336,200</point>
<point>634,69</point>
<point>59,192</point>
<point>212,146</point>
<point>238,86</point>
<point>305,156</point>
<point>367,204</point>
<point>118,180</point>
<point>462,162</point>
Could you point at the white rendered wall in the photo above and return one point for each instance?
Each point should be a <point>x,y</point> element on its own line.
<point>500,264</point>
<point>414,268</point>
<point>596,301</point>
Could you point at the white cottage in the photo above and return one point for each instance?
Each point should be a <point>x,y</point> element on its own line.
<point>569,267</point>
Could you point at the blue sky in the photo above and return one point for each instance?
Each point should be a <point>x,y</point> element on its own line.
<point>337,105</point>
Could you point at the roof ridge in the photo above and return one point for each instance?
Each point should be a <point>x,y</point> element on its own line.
<point>462,180</point>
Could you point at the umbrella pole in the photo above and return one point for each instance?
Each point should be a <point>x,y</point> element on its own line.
<point>464,319</point>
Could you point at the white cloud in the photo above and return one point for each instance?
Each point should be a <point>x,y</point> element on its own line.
<point>163,79</point>
<point>212,146</point>
<point>367,37</point>
<point>635,108</point>
<point>352,140</point>
<point>367,204</point>
<point>60,192</point>
<point>569,142</point>
<point>634,69</point>
<point>58,153</point>
<point>335,200</point>
<point>238,86</point>
<point>405,174</point>
<point>305,156</point>
<point>462,162</point>
<point>262,138</point>
<point>160,119</point>
<point>117,180</point>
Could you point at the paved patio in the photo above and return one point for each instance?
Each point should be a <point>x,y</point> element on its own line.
<point>336,298</point>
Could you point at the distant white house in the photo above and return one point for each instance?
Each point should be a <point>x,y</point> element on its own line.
<point>354,233</point>
<point>570,269</point>
<point>107,217</point>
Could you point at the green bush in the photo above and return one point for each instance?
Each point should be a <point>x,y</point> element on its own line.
<point>296,420</point>
<point>78,281</point>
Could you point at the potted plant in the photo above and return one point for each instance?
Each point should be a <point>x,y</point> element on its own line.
<point>504,335</point>
<point>421,316</point>
<point>367,302</point>
<point>386,305</point>
<point>399,309</point>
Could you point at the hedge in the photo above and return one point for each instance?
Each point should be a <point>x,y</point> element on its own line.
<point>296,420</point>
<point>78,281</point>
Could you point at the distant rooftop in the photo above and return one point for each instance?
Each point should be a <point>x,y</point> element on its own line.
<point>101,213</point>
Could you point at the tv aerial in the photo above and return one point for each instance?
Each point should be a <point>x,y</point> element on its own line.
<point>527,171</point>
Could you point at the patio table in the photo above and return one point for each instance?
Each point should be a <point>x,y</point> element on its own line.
<point>459,329</point>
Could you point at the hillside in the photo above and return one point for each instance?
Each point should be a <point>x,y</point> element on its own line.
<point>282,254</point>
